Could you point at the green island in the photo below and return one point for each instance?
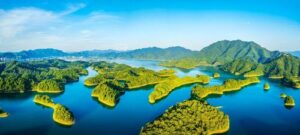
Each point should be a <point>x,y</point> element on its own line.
<point>113,79</point>
<point>108,92</point>
<point>283,95</point>
<point>133,78</point>
<point>42,76</point>
<point>216,75</point>
<point>3,114</point>
<point>61,114</point>
<point>229,85</point>
<point>189,117</point>
<point>164,88</point>
<point>289,101</point>
<point>266,86</point>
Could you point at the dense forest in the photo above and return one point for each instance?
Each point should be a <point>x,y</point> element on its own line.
<point>164,88</point>
<point>108,92</point>
<point>61,114</point>
<point>113,79</point>
<point>201,92</point>
<point>190,117</point>
<point>41,76</point>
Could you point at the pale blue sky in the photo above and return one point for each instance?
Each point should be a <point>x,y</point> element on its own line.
<point>128,24</point>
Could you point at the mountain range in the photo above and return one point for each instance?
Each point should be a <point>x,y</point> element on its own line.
<point>237,57</point>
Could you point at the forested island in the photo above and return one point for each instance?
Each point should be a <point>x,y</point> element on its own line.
<point>189,117</point>
<point>164,88</point>
<point>61,114</point>
<point>3,114</point>
<point>289,101</point>
<point>113,79</point>
<point>201,92</point>
<point>266,86</point>
<point>42,76</point>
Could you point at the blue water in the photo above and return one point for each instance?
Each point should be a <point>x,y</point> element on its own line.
<point>251,110</point>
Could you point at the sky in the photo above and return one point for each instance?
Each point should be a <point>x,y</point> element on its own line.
<point>130,24</point>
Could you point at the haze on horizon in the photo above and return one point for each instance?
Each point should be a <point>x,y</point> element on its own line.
<point>126,25</point>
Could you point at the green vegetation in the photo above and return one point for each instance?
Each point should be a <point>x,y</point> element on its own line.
<point>163,89</point>
<point>289,101</point>
<point>266,86</point>
<point>132,77</point>
<point>245,67</point>
<point>48,86</point>
<point>222,52</point>
<point>60,114</point>
<point>291,81</point>
<point>216,75</point>
<point>283,95</point>
<point>94,81</point>
<point>229,85</point>
<point>189,117</point>
<point>3,114</point>
<point>166,72</point>
<point>42,76</point>
<point>44,100</point>
<point>108,92</point>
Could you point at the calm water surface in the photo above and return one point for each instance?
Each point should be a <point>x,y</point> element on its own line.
<point>251,110</point>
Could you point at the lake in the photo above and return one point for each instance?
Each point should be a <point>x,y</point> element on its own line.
<point>251,110</point>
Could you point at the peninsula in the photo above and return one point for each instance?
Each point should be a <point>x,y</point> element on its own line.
<point>164,88</point>
<point>61,114</point>
<point>229,85</point>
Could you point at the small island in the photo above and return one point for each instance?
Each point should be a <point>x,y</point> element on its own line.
<point>266,86</point>
<point>216,75</point>
<point>61,114</point>
<point>164,88</point>
<point>189,117</point>
<point>200,91</point>
<point>289,101</point>
<point>283,95</point>
<point>3,114</point>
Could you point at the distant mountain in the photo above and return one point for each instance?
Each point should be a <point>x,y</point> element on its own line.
<point>92,53</point>
<point>154,53</point>
<point>295,53</point>
<point>151,53</point>
<point>37,53</point>
<point>223,52</point>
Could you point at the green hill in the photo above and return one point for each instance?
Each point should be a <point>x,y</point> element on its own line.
<point>225,51</point>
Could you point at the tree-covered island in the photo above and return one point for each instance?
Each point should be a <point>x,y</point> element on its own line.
<point>164,88</point>
<point>190,117</point>
<point>229,85</point>
<point>289,101</point>
<point>114,79</point>
<point>61,114</point>
<point>3,114</point>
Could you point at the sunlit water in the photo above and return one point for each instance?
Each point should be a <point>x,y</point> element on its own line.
<point>251,110</point>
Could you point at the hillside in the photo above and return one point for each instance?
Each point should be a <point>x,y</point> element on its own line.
<point>225,51</point>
